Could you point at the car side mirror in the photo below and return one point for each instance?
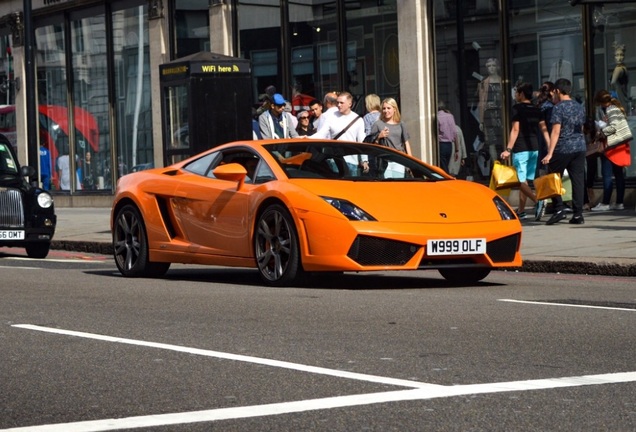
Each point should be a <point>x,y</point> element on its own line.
<point>27,171</point>
<point>231,172</point>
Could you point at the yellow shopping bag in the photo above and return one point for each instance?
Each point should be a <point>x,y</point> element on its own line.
<point>548,186</point>
<point>501,192</point>
<point>503,176</point>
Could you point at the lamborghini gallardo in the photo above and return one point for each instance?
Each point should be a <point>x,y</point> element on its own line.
<point>291,208</point>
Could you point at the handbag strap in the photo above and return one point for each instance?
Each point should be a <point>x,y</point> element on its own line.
<point>348,126</point>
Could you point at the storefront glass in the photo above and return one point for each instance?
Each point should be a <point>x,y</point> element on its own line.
<point>370,45</point>
<point>471,80</point>
<point>372,58</point>
<point>7,90</point>
<point>91,145</point>
<point>132,90</point>
<point>192,27</point>
<point>260,41</point>
<point>477,67</point>
<point>52,97</point>
<point>614,57</point>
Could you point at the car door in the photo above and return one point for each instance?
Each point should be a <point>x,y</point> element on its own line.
<point>213,213</point>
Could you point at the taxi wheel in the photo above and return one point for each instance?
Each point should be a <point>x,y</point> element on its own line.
<point>37,250</point>
<point>464,276</point>
<point>130,246</point>
<point>276,247</point>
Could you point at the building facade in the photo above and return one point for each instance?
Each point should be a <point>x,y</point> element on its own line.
<point>98,96</point>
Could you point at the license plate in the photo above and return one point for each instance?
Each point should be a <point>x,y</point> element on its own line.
<point>11,235</point>
<point>456,247</point>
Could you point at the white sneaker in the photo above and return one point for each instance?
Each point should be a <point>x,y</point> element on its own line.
<point>600,207</point>
<point>618,207</point>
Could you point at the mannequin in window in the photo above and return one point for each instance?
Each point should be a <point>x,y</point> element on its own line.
<point>561,69</point>
<point>490,105</point>
<point>618,83</point>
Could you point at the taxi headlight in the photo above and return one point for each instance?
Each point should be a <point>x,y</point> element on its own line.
<point>45,200</point>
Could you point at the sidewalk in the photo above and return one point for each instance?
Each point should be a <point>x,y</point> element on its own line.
<point>604,245</point>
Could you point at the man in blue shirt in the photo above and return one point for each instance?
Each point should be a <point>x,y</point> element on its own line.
<point>45,167</point>
<point>566,150</point>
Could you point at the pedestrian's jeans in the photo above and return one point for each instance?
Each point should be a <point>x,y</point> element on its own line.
<point>575,164</point>
<point>607,170</point>
<point>445,154</point>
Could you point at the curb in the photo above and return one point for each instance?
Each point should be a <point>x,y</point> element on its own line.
<point>529,266</point>
<point>579,267</point>
<point>83,246</point>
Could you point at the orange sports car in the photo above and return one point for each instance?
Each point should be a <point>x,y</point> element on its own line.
<point>292,207</point>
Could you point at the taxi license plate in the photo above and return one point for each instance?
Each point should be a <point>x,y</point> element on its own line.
<point>456,247</point>
<point>11,235</point>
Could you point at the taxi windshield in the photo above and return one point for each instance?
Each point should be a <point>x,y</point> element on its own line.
<point>8,164</point>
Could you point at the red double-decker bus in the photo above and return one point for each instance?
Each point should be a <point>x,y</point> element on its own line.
<point>54,129</point>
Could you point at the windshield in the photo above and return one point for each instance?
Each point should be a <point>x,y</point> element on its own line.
<point>8,165</point>
<point>348,161</point>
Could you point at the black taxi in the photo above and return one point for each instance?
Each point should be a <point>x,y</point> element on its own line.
<point>27,213</point>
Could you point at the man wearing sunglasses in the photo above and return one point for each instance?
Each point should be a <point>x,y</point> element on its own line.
<point>304,124</point>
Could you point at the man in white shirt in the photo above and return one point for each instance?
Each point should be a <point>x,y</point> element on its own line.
<point>345,125</point>
<point>329,107</point>
<point>335,125</point>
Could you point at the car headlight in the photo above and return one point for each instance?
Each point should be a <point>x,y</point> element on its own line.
<point>45,200</point>
<point>504,210</point>
<point>349,210</point>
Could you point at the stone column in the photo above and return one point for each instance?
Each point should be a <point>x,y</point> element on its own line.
<point>158,37</point>
<point>221,28</point>
<point>417,76</point>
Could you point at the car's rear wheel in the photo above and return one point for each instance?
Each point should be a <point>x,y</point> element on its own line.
<point>130,246</point>
<point>276,247</point>
<point>37,250</point>
<point>464,276</point>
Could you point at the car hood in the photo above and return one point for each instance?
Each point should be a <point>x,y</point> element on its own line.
<point>459,201</point>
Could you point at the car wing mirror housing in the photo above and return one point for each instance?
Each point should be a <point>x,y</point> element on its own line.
<point>231,172</point>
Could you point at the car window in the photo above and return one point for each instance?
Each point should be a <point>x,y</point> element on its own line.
<point>263,173</point>
<point>8,165</point>
<point>257,170</point>
<point>202,165</point>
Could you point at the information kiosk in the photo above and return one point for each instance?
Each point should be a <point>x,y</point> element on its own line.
<point>206,101</point>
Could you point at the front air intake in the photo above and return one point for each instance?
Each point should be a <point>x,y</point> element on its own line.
<point>374,251</point>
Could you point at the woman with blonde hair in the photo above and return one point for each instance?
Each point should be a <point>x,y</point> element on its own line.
<point>390,129</point>
<point>372,104</point>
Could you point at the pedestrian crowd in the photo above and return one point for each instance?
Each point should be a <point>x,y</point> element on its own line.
<point>550,132</point>
<point>333,118</point>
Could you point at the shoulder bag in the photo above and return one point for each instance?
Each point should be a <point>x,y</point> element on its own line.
<point>348,126</point>
<point>621,134</point>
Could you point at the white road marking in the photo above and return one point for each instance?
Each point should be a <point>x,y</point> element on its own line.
<point>236,357</point>
<point>328,403</point>
<point>21,268</point>
<point>567,305</point>
<point>421,392</point>
<point>79,259</point>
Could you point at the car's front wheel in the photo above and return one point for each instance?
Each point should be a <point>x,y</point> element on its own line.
<point>464,276</point>
<point>37,250</point>
<point>276,247</point>
<point>130,246</point>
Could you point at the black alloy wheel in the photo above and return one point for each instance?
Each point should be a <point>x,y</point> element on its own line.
<point>130,246</point>
<point>276,247</point>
